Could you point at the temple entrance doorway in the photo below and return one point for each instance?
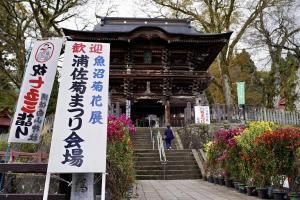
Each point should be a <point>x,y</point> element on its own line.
<point>141,109</point>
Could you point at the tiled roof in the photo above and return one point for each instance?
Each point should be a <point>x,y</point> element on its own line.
<point>126,25</point>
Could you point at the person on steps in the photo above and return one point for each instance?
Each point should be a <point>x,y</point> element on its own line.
<point>169,136</point>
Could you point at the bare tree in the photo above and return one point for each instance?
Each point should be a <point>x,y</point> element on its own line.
<point>28,18</point>
<point>218,16</point>
<point>279,32</point>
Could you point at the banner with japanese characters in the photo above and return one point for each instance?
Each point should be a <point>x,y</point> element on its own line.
<point>80,126</point>
<point>35,92</point>
<point>202,115</point>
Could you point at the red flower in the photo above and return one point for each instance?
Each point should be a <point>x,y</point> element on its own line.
<point>118,127</point>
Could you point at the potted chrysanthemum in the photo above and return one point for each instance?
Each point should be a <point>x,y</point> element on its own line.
<point>281,145</point>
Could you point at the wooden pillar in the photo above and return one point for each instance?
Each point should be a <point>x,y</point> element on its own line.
<point>118,110</point>
<point>165,59</point>
<point>128,108</point>
<point>190,61</point>
<point>188,114</point>
<point>110,105</point>
<point>167,113</point>
<point>128,59</point>
<point>83,186</point>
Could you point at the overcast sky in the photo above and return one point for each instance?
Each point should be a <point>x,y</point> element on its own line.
<point>122,8</point>
<point>132,8</point>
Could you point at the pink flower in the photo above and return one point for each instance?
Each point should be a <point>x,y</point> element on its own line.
<point>118,127</point>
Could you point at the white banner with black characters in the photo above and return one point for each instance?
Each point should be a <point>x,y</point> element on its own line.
<point>80,126</point>
<point>35,92</point>
<point>202,115</point>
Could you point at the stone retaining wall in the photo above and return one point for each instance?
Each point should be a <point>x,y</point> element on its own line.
<point>195,136</point>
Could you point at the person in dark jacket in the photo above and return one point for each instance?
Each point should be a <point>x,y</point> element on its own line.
<point>169,136</point>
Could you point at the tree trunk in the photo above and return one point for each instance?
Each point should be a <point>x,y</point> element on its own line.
<point>277,81</point>
<point>297,88</point>
<point>223,69</point>
<point>227,90</point>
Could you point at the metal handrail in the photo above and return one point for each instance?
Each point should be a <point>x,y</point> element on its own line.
<point>151,133</point>
<point>152,138</point>
<point>161,148</point>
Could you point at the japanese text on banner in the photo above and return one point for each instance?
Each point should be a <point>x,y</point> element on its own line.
<point>81,125</point>
<point>35,92</point>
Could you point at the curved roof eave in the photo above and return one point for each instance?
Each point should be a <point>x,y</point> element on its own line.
<point>225,35</point>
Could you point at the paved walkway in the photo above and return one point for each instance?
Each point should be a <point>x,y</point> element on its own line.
<point>185,190</point>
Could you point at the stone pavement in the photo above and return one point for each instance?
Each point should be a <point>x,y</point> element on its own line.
<point>185,190</point>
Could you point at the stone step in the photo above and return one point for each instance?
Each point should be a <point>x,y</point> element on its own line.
<point>180,163</point>
<point>142,142</point>
<point>169,158</point>
<point>150,154</point>
<point>140,146</point>
<point>150,163</point>
<point>141,136</point>
<point>167,172</point>
<point>137,146</point>
<point>141,139</point>
<point>169,177</point>
<point>167,167</point>
<point>167,151</point>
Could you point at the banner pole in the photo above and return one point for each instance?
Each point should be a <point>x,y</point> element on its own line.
<point>47,184</point>
<point>103,186</point>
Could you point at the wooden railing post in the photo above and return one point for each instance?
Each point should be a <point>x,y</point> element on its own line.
<point>11,156</point>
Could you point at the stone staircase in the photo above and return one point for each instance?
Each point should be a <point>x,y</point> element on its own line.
<point>180,163</point>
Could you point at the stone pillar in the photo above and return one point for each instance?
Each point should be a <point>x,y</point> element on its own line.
<point>118,111</point>
<point>167,113</point>
<point>82,186</point>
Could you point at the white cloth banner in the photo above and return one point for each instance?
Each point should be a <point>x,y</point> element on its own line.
<point>35,92</point>
<point>80,127</point>
<point>202,115</point>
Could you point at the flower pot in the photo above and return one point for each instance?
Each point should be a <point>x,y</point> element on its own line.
<point>294,196</point>
<point>280,195</point>
<point>216,180</point>
<point>211,179</point>
<point>262,193</point>
<point>236,185</point>
<point>270,192</point>
<point>242,188</point>
<point>229,183</point>
<point>221,181</point>
<point>251,191</point>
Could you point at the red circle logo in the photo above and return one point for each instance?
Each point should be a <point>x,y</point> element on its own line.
<point>44,52</point>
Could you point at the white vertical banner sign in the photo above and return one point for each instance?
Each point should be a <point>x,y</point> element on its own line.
<point>80,127</point>
<point>35,92</point>
<point>202,115</point>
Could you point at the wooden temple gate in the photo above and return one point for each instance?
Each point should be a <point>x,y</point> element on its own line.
<point>158,65</point>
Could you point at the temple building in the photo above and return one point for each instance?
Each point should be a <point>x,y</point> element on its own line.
<point>5,119</point>
<point>158,67</point>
